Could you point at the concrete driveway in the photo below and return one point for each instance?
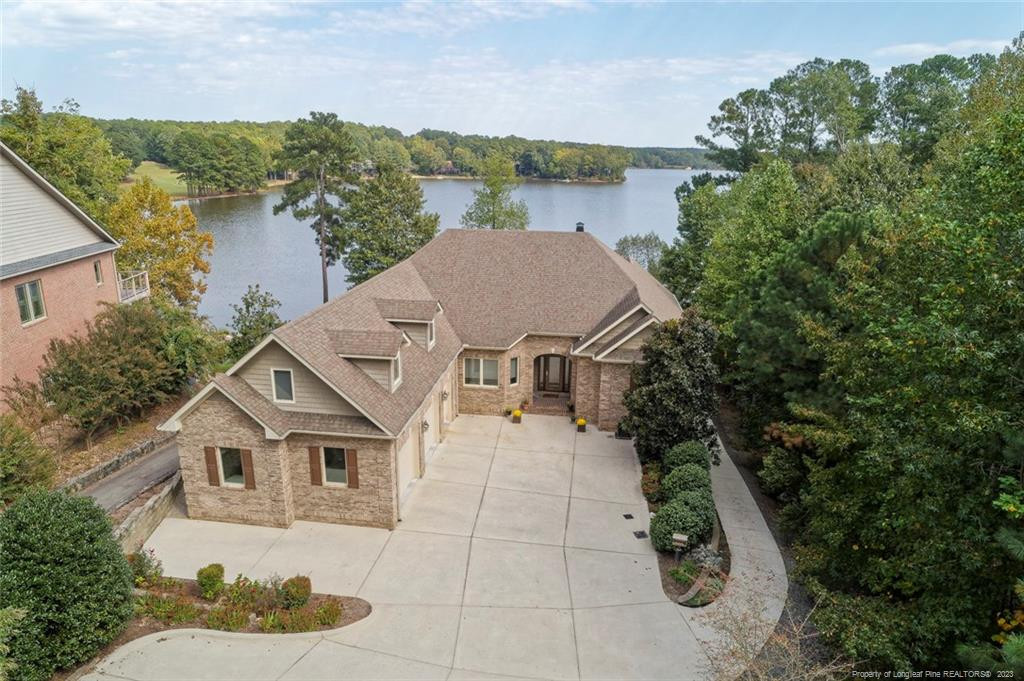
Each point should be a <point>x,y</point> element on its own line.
<point>515,557</point>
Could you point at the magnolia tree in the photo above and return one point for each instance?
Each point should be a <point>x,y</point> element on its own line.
<point>673,396</point>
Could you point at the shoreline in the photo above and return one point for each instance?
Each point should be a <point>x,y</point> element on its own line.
<point>272,184</point>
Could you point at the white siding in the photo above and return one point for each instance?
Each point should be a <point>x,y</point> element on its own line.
<point>377,369</point>
<point>33,223</point>
<point>311,394</point>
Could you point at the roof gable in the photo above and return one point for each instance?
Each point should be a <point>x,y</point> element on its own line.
<point>39,226</point>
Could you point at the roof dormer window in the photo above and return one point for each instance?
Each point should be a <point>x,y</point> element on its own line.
<point>430,335</point>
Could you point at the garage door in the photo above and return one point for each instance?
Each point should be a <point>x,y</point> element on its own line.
<point>408,463</point>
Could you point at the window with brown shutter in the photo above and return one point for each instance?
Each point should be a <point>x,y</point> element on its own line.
<point>247,471</point>
<point>316,476</point>
<point>212,474</point>
<point>352,465</point>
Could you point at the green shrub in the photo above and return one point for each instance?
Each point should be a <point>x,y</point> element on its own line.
<point>691,513</point>
<point>295,592</point>
<point>685,573</point>
<point>62,566</point>
<point>9,618</point>
<point>328,613</point>
<point>298,620</point>
<point>254,595</point>
<point>228,618</point>
<point>211,581</point>
<point>686,478</point>
<point>24,464</point>
<point>271,622</point>
<point>176,609</point>
<point>674,390</point>
<point>131,357</point>
<point>683,453</point>
<point>146,567</point>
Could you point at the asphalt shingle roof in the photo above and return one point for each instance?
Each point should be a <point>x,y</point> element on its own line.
<point>494,287</point>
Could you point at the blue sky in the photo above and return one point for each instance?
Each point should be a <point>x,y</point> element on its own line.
<point>627,73</point>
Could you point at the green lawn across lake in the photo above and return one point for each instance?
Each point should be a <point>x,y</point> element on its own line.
<point>162,176</point>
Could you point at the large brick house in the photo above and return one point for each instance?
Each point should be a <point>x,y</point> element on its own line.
<point>56,268</point>
<point>334,414</point>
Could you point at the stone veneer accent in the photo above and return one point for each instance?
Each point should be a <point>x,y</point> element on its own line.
<point>218,422</point>
<point>372,504</point>
<point>284,491</point>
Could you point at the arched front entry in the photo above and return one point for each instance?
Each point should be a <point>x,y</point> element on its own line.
<point>552,374</point>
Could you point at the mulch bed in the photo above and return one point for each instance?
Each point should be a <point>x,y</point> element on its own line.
<point>352,610</point>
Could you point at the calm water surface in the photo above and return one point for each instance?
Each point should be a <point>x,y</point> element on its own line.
<point>252,245</point>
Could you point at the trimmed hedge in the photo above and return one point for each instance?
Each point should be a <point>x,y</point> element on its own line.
<point>691,513</point>
<point>62,566</point>
<point>686,478</point>
<point>295,592</point>
<point>691,451</point>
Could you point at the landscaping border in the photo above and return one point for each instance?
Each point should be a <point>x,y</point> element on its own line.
<point>134,530</point>
<point>97,473</point>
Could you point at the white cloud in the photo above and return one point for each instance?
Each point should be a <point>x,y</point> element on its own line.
<point>957,48</point>
<point>432,17</point>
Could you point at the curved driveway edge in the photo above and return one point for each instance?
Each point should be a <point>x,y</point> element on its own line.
<point>516,559</point>
<point>738,623</point>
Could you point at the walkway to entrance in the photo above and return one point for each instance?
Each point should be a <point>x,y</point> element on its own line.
<point>517,557</point>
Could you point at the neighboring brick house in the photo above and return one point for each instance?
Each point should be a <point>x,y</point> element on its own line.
<point>334,414</point>
<point>56,268</point>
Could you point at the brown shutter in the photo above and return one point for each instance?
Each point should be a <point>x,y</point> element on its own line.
<point>247,472</point>
<point>352,468</point>
<point>211,466</point>
<point>316,476</point>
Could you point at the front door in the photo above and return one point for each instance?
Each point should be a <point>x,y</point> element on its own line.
<point>554,374</point>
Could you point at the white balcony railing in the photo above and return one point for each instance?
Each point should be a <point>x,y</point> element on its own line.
<point>132,286</point>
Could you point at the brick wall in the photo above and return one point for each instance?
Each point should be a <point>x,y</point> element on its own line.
<point>217,422</point>
<point>614,383</point>
<point>493,401</point>
<point>71,298</point>
<point>588,386</point>
<point>372,504</point>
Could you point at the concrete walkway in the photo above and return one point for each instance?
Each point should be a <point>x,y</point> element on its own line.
<point>516,558</point>
<point>118,489</point>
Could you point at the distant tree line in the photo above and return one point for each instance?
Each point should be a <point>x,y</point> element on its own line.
<point>236,155</point>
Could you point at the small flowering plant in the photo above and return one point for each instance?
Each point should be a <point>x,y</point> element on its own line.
<point>517,413</point>
<point>581,421</point>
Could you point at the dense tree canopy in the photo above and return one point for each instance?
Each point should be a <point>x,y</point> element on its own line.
<point>818,108</point>
<point>385,223</point>
<point>869,299</point>
<point>163,239</point>
<point>66,148</point>
<point>645,249</point>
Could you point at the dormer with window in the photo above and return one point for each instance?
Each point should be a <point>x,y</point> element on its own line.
<point>376,352</point>
<point>415,318</point>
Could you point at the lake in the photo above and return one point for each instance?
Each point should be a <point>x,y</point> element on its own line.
<point>252,245</point>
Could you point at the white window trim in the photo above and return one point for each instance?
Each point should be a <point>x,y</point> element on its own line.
<point>323,468</point>
<point>42,301</point>
<point>273,384</point>
<point>481,384</point>
<point>220,469</point>
<point>431,335</point>
<point>510,381</point>
<point>97,271</point>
